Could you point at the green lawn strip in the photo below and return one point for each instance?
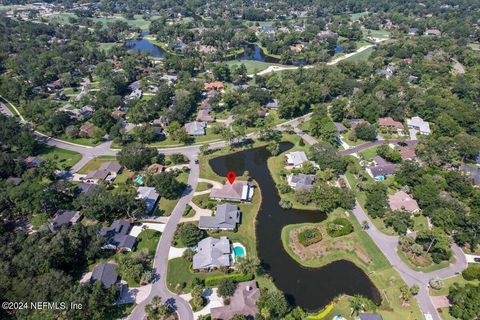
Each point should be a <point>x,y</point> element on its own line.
<point>38,220</point>
<point>350,142</point>
<point>64,159</point>
<point>369,154</point>
<point>420,222</point>
<point>82,141</point>
<point>179,274</point>
<point>361,56</point>
<point>169,142</point>
<point>202,186</point>
<point>148,239</point>
<point>430,268</point>
<point>265,51</point>
<point>385,278</point>
<point>94,164</point>
<point>107,45</point>
<point>252,65</point>
<point>449,282</point>
<point>166,206</point>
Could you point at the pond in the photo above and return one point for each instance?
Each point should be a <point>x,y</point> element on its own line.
<point>310,288</point>
<point>142,45</point>
<point>255,53</point>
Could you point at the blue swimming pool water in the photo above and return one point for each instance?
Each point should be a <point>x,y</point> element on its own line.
<point>239,252</point>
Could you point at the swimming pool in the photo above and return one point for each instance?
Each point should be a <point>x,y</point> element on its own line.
<point>239,251</point>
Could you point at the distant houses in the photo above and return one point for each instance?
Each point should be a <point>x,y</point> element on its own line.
<point>417,125</point>
<point>237,191</point>
<point>149,196</point>
<point>391,125</point>
<point>216,85</point>
<point>433,32</point>
<point>196,128</point>
<point>401,201</point>
<point>117,236</point>
<point>87,130</point>
<point>226,217</point>
<point>64,219</point>
<point>243,302</point>
<point>212,253</point>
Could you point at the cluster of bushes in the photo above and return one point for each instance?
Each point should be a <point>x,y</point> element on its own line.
<point>214,281</point>
<point>309,236</point>
<point>471,273</point>
<point>339,227</point>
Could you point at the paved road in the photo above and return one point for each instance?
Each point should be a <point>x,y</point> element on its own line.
<point>160,264</point>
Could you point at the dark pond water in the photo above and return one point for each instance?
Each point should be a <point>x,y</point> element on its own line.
<point>339,49</point>
<point>310,288</point>
<point>254,52</point>
<point>142,45</point>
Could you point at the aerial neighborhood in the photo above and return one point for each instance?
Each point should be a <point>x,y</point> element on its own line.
<point>233,160</point>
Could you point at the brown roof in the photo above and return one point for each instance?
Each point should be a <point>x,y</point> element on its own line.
<point>155,169</point>
<point>408,153</point>
<point>389,122</point>
<point>118,113</point>
<point>229,191</point>
<point>204,115</point>
<point>88,129</point>
<point>216,85</point>
<point>243,302</point>
<point>401,201</point>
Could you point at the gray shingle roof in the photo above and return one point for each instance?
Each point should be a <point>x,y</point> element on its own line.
<point>64,218</point>
<point>370,316</point>
<point>226,217</point>
<point>105,273</point>
<point>212,253</point>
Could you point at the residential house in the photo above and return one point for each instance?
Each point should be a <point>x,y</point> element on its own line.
<point>134,95</point>
<point>325,35</point>
<point>295,159</point>
<point>207,49</point>
<point>391,125</point>
<point>226,218</point>
<point>107,171</point>
<point>117,237</point>
<point>340,127</point>
<point>412,31</point>
<point>237,191</point>
<point>474,174</point>
<point>196,128</point>
<point>81,114</point>
<point>381,169</point>
<point>149,196</point>
<point>418,125</point>
<point>297,47</point>
<point>272,104</point>
<point>369,316</point>
<point>118,113</point>
<point>216,85</point>
<point>64,218</point>
<point>105,273</point>
<point>356,122</point>
<point>87,129</point>
<point>212,253</point>
<point>300,181</point>
<point>433,32</point>
<point>204,116</point>
<point>205,105</point>
<point>243,302</point>
<point>388,71</point>
<point>408,152</point>
<point>86,188</point>
<point>401,201</point>
<point>33,162</point>
<point>14,181</point>
<point>156,169</point>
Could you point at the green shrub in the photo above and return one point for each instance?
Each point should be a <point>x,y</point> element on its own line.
<point>214,281</point>
<point>309,236</point>
<point>472,272</point>
<point>339,227</point>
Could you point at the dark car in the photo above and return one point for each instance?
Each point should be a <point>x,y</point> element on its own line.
<point>476,259</point>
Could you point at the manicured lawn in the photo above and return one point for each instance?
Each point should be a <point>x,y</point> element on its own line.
<point>382,33</point>
<point>94,164</point>
<point>166,206</point>
<point>202,186</point>
<point>107,46</point>
<point>168,142</point>
<point>361,56</point>
<point>430,268</point>
<point>83,141</point>
<point>350,142</point>
<point>64,159</point>
<point>180,275</point>
<point>119,311</point>
<point>148,239</point>
<point>369,154</point>
<point>38,220</point>
<point>252,65</point>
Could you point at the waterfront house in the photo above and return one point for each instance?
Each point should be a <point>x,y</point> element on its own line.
<point>212,253</point>
<point>237,191</point>
<point>226,218</point>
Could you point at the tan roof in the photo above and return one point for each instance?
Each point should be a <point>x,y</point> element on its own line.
<point>408,153</point>
<point>216,85</point>
<point>229,191</point>
<point>155,169</point>
<point>401,201</point>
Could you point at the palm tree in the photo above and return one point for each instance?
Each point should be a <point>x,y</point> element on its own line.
<point>356,304</point>
<point>365,225</point>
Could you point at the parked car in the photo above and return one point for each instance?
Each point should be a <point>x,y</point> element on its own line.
<point>476,260</point>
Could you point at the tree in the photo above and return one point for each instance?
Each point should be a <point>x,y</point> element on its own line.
<point>359,303</point>
<point>436,283</point>
<point>327,157</point>
<point>414,290</point>
<point>366,132</point>
<point>189,234</point>
<point>198,301</point>
<point>226,288</point>
<point>274,303</point>
<point>167,185</point>
<point>248,265</point>
<point>465,301</point>
<point>157,310</point>
<point>376,202</point>
<point>135,156</point>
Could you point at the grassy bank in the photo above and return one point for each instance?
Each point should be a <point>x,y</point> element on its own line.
<point>64,159</point>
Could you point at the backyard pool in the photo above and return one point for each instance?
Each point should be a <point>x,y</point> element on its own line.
<point>239,251</point>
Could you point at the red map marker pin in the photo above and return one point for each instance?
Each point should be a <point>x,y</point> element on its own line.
<point>231,176</point>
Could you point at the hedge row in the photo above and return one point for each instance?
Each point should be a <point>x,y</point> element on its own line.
<point>214,281</point>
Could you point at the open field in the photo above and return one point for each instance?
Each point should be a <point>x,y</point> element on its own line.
<point>64,159</point>
<point>252,65</point>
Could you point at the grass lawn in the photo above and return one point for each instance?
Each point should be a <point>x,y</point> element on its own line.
<point>361,56</point>
<point>168,142</point>
<point>166,206</point>
<point>202,186</point>
<point>448,283</point>
<point>94,164</point>
<point>148,239</point>
<point>382,274</point>
<point>64,159</point>
<point>474,46</point>
<point>83,141</point>
<point>107,46</point>
<point>382,33</point>
<point>430,268</point>
<point>369,154</point>
<point>358,15</point>
<point>180,275</point>
<point>137,21</point>
<point>252,65</point>
<point>350,142</point>
<point>38,220</point>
